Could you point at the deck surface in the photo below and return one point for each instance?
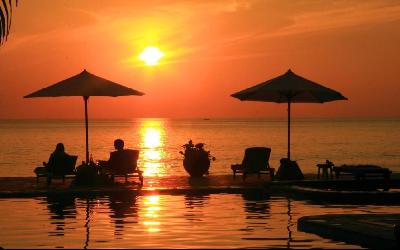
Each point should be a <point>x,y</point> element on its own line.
<point>27,186</point>
<point>367,230</point>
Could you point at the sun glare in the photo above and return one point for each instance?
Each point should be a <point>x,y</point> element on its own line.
<point>151,55</point>
<point>153,134</point>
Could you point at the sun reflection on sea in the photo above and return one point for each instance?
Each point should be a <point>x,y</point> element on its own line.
<point>152,208</point>
<point>152,134</point>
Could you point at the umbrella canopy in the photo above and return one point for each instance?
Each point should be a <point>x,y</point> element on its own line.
<point>289,88</point>
<point>85,84</point>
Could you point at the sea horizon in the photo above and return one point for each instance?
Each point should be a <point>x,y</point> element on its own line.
<point>293,118</point>
<point>314,140</point>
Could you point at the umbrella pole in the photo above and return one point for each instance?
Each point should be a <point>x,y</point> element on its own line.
<point>86,98</point>
<point>288,152</point>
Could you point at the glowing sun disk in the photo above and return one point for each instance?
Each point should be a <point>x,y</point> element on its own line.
<point>151,55</point>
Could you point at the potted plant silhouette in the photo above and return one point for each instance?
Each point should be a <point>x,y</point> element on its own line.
<point>196,160</point>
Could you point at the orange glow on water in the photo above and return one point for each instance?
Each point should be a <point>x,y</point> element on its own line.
<point>152,208</point>
<point>152,132</point>
<point>153,155</point>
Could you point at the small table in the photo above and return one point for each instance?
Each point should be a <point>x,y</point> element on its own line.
<point>325,167</point>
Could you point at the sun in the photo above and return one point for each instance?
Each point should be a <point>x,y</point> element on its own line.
<point>151,55</point>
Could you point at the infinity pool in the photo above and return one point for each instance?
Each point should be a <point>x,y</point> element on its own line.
<point>250,220</point>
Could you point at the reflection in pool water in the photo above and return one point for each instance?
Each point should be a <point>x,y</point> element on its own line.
<point>160,221</point>
<point>60,208</point>
<point>122,206</point>
<point>152,208</point>
<point>194,204</point>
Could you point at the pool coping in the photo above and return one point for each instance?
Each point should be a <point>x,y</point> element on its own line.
<point>110,191</point>
<point>302,189</point>
<point>359,229</point>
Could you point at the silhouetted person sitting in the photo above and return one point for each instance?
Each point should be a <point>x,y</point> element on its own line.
<point>116,156</point>
<point>58,163</point>
<point>123,161</point>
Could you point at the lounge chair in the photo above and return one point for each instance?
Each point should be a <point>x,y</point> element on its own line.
<point>362,171</point>
<point>63,169</point>
<point>125,164</point>
<point>255,161</point>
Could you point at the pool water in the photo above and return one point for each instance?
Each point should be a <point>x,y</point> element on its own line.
<point>251,220</point>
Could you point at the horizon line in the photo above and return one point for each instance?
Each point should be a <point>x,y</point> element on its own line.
<point>204,118</point>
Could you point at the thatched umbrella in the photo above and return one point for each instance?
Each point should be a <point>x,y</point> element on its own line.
<point>85,84</point>
<point>289,88</point>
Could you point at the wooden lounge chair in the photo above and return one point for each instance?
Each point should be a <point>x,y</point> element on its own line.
<point>255,161</point>
<point>362,171</point>
<point>64,168</point>
<point>124,163</point>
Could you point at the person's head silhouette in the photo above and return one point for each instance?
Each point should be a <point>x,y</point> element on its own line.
<point>59,148</point>
<point>119,144</point>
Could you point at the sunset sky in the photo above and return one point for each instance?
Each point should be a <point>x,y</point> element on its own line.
<point>211,49</point>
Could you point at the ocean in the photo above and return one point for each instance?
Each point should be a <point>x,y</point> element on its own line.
<point>25,144</point>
